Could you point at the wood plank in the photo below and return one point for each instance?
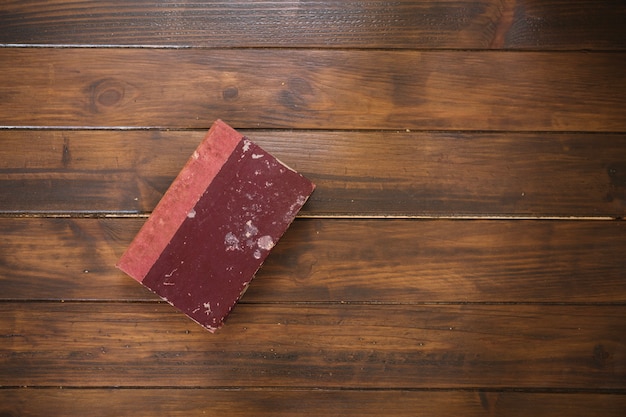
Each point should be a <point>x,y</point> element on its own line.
<point>321,346</point>
<point>390,261</point>
<point>321,89</point>
<point>243,402</point>
<point>555,24</point>
<point>416,173</point>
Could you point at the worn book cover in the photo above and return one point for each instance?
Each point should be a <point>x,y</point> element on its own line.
<point>215,225</point>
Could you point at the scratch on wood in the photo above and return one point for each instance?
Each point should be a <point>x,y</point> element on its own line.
<point>66,156</point>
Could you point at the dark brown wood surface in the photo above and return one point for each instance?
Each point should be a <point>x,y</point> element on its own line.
<point>314,89</point>
<point>451,24</point>
<point>269,403</point>
<point>461,255</point>
<point>317,346</point>
<point>400,261</point>
<point>386,173</point>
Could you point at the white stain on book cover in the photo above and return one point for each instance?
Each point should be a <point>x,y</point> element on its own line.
<point>231,241</point>
<point>293,209</point>
<point>250,229</point>
<point>265,242</point>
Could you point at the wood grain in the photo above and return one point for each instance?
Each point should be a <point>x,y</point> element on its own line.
<point>528,24</point>
<point>321,89</point>
<point>388,261</point>
<point>277,402</point>
<point>386,173</point>
<point>323,346</point>
<point>411,285</point>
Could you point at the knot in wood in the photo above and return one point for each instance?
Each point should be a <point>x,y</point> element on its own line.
<point>106,93</point>
<point>296,97</point>
<point>230,93</point>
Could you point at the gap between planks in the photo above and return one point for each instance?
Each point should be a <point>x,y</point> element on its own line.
<point>132,215</point>
<point>372,303</point>
<point>308,48</point>
<point>269,388</point>
<point>250,131</point>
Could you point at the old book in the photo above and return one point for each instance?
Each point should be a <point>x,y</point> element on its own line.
<point>215,225</point>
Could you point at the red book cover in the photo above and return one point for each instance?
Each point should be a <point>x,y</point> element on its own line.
<point>215,225</point>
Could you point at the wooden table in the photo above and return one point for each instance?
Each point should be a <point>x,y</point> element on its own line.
<point>463,253</point>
